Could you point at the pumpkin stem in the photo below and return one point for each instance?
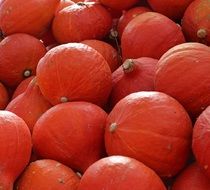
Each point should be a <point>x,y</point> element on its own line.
<point>201,33</point>
<point>128,66</point>
<point>1,35</point>
<point>27,73</point>
<point>113,127</point>
<point>64,99</point>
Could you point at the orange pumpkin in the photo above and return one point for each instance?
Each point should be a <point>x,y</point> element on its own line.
<point>4,96</point>
<point>48,175</point>
<point>195,23</point>
<point>15,148</point>
<point>19,56</point>
<point>119,4</point>
<point>31,17</point>
<point>74,72</point>
<point>87,20</point>
<point>183,73</point>
<point>109,53</point>
<point>120,172</point>
<point>151,28</point>
<point>192,178</point>
<point>29,105</point>
<point>153,128</point>
<point>71,133</point>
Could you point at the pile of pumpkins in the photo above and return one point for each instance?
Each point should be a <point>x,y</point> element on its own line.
<point>104,95</point>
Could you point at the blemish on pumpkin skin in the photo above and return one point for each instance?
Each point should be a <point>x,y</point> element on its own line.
<point>169,147</point>
<point>206,167</point>
<point>113,127</point>
<point>60,180</point>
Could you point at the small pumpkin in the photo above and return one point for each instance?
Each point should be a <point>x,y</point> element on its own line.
<point>153,128</point>
<point>120,172</point>
<point>49,175</point>
<point>4,97</point>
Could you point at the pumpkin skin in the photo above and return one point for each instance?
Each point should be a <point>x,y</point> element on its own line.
<point>29,105</point>
<point>63,4</point>
<point>185,66</point>
<point>191,178</point>
<point>151,127</point>
<point>74,72</point>
<point>201,140</point>
<point>120,172</point>
<point>119,4</point>
<point>196,23</point>
<point>128,16</point>
<point>15,148</point>
<point>20,54</point>
<point>133,76</point>
<point>170,8</point>
<point>165,34</point>
<point>79,17</point>
<point>49,175</point>
<point>4,97</point>
<point>63,134</point>
<point>27,18</point>
<point>106,50</point>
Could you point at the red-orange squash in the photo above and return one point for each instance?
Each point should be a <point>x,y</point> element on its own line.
<point>63,4</point>
<point>173,9</point>
<point>71,133</point>
<point>74,72</point>
<point>29,105</point>
<point>120,172</point>
<point>31,17</point>
<point>183,73</point>
<point>15,148</point>
<point>134,75</point>
<point>119,4</point>
<point>4,96</point>
<point>196,22</point>
<point>19,56</point>
<point>150,35</point>
<point>85,20</point>
<point>201,141</point>
<point>109,53</point>
<point>48,175</point>
<point>192,178</point>
<point>151,127</point>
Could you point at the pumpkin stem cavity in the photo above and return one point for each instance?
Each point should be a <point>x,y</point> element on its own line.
<point>64,99</point>
<point>2,36</point>
<point>128,66</point>
<point>201,33</point>
<point>27,73</point>
<point>113,127</point>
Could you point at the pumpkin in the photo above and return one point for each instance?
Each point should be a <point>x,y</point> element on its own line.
<point>120,172</point>
<point>134,75</point>
<point>49,175</point>
<point>118,4</point>
<point>74,72</point>
<point>71,133</point>
<point>195,23</point>
<point>22,86</point>
<point>4,96</point>
<point>170,8</point>
<point>151,28</point>
<point>201,140</point>
<point>151,127</point>
<point>19,56</point>
<point>109,53</point>
<point>31,17</point>
<point>80,17</point>
<point>29,105</point>
<point>63,4</point>
<point>128,15</point>
<point>15,148</point>
<point>183,73</point>
<point>191,178</point>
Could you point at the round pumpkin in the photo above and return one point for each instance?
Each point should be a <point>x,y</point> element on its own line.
<point>151,127</point>
<point>201,141</point>
<point>71,133</point>
<point>195,23</point>
<point>31,17</point>
<point>134,75</point>
<point>29,105</point>
<point>109,53</point>
<point>151,28</point>
<point>170,8</point>
<point>19,56</point>
<point>120,172</point>
<point>118,4</point>
<point>49,175</point>
<point>15,148</point>
<point>74,72</point>
<point>85,20</point>
<point>4,97</point>
<point>192,178</point>
<point>183,73</point>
